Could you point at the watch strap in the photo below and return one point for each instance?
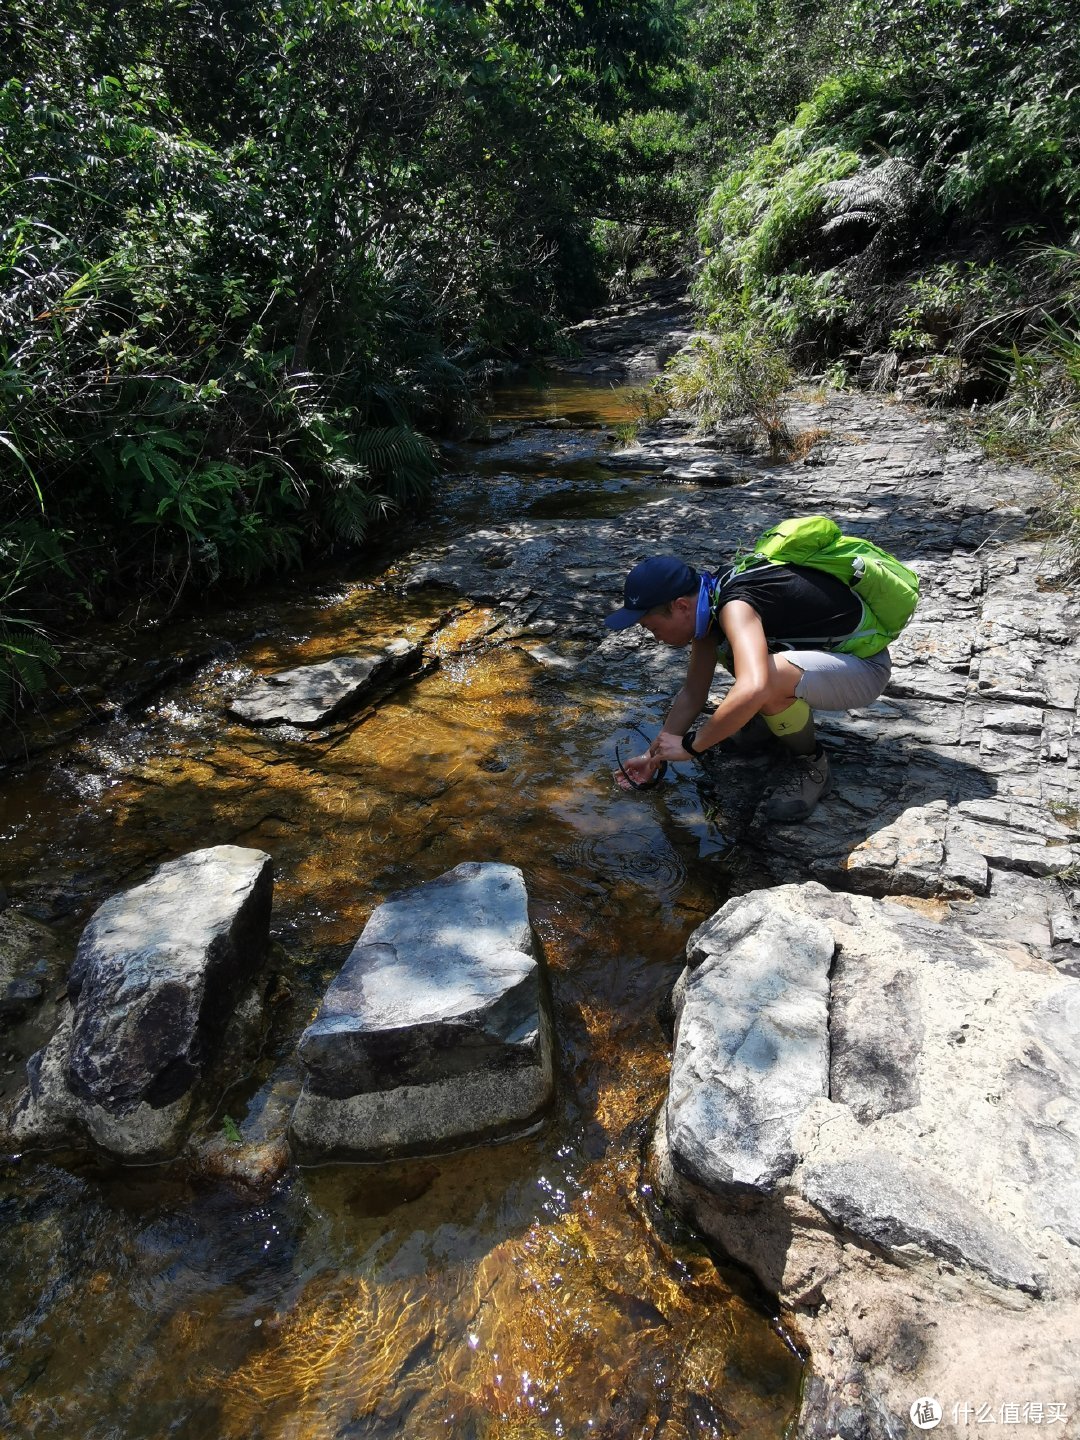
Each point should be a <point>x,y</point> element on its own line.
<point>687,743</point>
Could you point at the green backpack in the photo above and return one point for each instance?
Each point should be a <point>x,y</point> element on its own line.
<point>888,590</point>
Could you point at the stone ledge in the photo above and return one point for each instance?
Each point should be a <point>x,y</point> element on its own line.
<point>315,695</point>
<point>932,1183</point>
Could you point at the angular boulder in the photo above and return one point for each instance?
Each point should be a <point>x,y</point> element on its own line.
<point>880,1116</point>
<point>314,695</point>
<point>436,1033</point>
<point>157,973</point>
<point>753,1046</point>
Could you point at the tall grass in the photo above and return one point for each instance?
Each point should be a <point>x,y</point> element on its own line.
<point>1038,417</point>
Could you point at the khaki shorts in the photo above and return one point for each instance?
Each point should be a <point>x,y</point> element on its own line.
<point>833,681</point>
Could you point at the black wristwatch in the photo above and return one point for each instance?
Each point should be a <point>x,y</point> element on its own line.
<point>687,743</point>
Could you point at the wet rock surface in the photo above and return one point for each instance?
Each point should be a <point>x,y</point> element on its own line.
<point>313,695</point>
<point>926,1173</point>
<point>435,1033</point>
<point>29,961</point>
<point>961,781</point>
<point>632,340</point>
<point>882,1126</point>
<point>156,977</point>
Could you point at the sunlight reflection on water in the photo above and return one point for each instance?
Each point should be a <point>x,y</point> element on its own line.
<point>530,1289</point>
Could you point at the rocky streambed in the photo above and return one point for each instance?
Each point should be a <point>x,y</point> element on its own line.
<point>875,1094</point>
<point>872,1101</point>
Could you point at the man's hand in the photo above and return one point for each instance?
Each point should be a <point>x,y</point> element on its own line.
<point>639,771</point>
<point>667,746</point>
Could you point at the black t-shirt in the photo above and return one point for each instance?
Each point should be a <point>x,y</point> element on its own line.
<point>798,607</point>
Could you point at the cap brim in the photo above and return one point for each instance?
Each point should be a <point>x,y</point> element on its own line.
<point>623,619</point>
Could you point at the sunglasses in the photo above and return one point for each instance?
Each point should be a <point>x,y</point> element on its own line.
<point>654,780</point>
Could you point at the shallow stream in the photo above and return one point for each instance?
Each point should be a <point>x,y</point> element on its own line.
<point>531,1289</point>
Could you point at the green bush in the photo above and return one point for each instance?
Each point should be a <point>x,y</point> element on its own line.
<point>729,376</point>
<point>252,258</point>
<point>1038,420</point>
<point>940,117</point>
<point>761,221</point>
<point>957,305</point>
<point>980,96</point>
<point>761,234</point>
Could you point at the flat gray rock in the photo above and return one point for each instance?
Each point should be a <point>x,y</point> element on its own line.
<point>314,695</point>
<point>927,1190</point>
<point>876,1034</point>
<point>894,1203</point>
<point>435,1034</point>
<point>156,975</point>
<point>751,1048</point>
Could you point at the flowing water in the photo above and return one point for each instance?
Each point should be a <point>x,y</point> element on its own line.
<point>530,1289</point>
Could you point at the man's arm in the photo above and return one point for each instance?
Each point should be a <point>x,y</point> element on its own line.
<point>688,704</point>
<point>684,709</point>
<point>753,667</point>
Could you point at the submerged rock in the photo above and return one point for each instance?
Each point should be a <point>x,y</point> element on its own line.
<point>253,1151</point>
<point>880,1116</point>
<point>157,974</point>
<point>28,962</point>
<point>436,1033</point>
<point>314,695</point>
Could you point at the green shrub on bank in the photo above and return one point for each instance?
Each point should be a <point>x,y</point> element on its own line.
<point>26,654</point>
<point>980,101</point>
<point>737,71</point>
<point>761,221</point>
<point>1038,415</point>
<point>733,374</point>
<point>980,96</point>
<point>654,198</point>
<point>945,127</point>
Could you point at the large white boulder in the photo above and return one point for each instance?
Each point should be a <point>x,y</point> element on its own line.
<point>880,1116</point>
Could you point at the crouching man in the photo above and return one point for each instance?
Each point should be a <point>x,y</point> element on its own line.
<point>774,627</point>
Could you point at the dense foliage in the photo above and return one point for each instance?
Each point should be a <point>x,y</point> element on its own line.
<point>253,254</point>
<point>919,199</point>
<point>921,195</point>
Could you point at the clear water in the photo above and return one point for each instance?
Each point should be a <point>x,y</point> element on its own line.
<point>532,1289</point>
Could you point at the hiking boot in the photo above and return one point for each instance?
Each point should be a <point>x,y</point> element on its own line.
<point>799,791</point>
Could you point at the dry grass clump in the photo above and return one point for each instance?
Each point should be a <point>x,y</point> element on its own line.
<point>803,441</point>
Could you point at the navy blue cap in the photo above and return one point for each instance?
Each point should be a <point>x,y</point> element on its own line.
<point>653,582</point>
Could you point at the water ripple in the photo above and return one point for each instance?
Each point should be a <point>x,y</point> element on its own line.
<point>631,856</point>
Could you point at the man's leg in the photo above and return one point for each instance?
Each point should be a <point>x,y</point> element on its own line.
<point>755,738</point>
<point>808,779</point>
<point>827,681</point>
<point>793,727</point>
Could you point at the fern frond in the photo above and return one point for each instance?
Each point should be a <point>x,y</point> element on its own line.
<point>24,655</point>
<point>350,511</point>
<point>399,459</point>
<point>881,195</point>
